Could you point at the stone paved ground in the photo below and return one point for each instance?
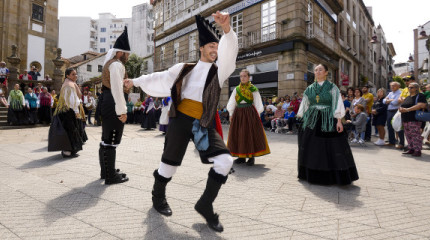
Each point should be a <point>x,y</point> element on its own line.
<point>43,196</point>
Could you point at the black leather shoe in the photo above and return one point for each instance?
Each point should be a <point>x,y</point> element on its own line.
<point>117,178</point>
<point>210,217</point>
<point>250,162</point>
<point>162,206</point>
<point>103,174</point>
<point>240,160</point>
<point>411,151</point>
<point>73,155</point>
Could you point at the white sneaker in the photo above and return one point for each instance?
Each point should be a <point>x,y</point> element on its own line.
<point>380,142</point>
<point>354,140</point>
<point>361,141</point>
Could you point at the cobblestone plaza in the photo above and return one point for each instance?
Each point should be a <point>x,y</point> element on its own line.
<point>43,196</point>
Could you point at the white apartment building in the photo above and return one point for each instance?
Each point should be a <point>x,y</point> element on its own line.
<point>109,29</point>
<point>77,35</point>
<point>81,34</point>
<point>142,40</point>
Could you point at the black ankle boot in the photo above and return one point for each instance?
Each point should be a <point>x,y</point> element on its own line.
<point>102,167</point>
<point>251,161</point>
<point>240,160</point>
<point>109,157</point>
<point>204,205</point>
<point>159,201</point>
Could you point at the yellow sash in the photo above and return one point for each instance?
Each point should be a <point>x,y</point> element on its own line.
<point>191,108</point>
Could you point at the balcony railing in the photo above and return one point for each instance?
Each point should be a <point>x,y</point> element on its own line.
<point>265,34</point>
<point>192,56</point>
<point>313,31</point>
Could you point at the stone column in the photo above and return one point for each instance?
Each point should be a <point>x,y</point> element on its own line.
<point>58,74</point>
<point>13,66</point>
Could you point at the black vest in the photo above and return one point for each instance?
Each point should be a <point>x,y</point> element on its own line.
<point>211,94</point>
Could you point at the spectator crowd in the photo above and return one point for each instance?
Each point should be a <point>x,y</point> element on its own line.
<point>389,113</point>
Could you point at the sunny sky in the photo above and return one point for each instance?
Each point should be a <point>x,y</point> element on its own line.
<point>398,18</point>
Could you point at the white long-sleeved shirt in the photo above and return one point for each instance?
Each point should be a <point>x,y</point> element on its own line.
<point>159,84</point>
<point>71,98</point>
<point>339,109</point>
<point>117,72</point>
<point>258,104</point>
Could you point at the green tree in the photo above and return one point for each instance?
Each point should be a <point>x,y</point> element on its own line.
<point>399,80</point>
<point>134,66</point>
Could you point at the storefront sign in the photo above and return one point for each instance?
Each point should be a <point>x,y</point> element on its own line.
<point>240,6</point>
<point>261,52</point>
<point>345,79</point>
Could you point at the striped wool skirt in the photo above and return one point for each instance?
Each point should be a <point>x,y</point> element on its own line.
<point>246,137</point>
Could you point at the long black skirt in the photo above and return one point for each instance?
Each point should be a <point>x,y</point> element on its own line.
<point>17,117</point>
<point>149,120</point>
<point>45,114</point>
<point>32,116</point>
<point>71,126</point>
<point>325,157</point>
<point>138,117</point>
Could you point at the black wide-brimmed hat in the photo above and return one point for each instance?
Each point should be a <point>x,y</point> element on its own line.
<point>207,32</point>
<point>121,42</point>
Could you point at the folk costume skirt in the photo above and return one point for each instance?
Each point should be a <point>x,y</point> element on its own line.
<point>325,157</point>
<point>149,120</point>
<point>70,125</point>
<point>246,137</point>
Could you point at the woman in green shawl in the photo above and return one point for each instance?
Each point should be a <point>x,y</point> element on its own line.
<point>246,137</point>
<point>324,153</point>
<point>16,112</point>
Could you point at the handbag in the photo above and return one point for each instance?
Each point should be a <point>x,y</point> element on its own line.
<point>58,139</point>
<point>421,115</point>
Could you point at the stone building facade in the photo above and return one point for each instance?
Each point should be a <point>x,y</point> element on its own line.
<point>280,42</point>
<point>31,25</point>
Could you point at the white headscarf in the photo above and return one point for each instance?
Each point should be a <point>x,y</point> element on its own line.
<point>111,54</point>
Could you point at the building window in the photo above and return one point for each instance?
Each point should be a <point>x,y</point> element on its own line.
<point>99,68</point>
<point>102,39</point>
<point>102,29</point>
<point>110,46</point>
<point>88,68</point>
<point>321,20</point>
<point>176,52</point>
<point>374,56</point>
<point>341,33</point>
<point>37,13</point>
<point>102,50</point>
<point>237,24</point>
<point>353,13</point>
<point>192,46</point>
<point>353,41</point>
<point>348,36</point>
<point>163,49</point>
<point>268,20</point>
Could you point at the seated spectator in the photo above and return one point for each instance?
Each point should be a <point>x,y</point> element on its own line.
<point>295,103</point>
<point>279,114</point>
<point>359,120</point>
<point>289,119</point>
<point>267,117</point>
<point>4,73</point>
<point>2,97</point>
<point>286,104</point>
